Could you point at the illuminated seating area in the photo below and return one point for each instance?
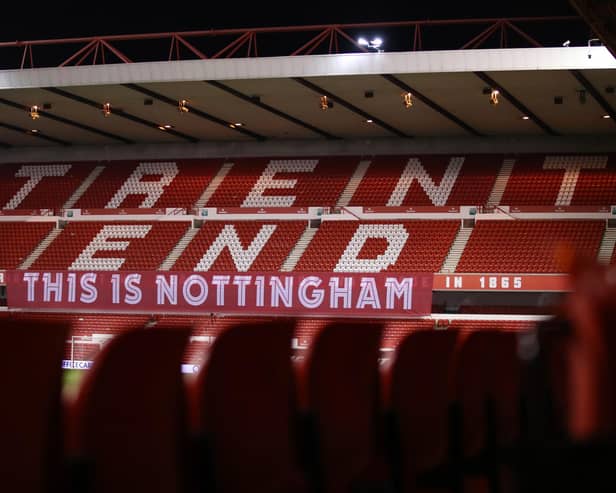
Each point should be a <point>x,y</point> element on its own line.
<point>28,236</point>
<point>529,246</point>
<point>394,246</point>
<point>240,246</point>
<point>112,245</point>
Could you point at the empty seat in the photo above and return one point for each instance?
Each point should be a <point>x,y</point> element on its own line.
<point>128,423</point>
<point>419,405</point>
<point>30,414</point>
<point>341,399</point>
<point>487,388</point>
<point>245,413</point>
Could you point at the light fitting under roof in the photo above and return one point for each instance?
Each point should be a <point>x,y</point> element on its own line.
<point>494,96</point>
<point>106,109</point>
<point>325,103</point>
<point>407,99</point>
<point>183,106</point>
<point>34,112</point>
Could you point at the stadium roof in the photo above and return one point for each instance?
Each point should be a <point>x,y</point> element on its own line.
<point>352,94</point>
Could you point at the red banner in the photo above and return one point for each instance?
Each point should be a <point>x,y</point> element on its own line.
<point>247,293</point>
<point>501,282</point>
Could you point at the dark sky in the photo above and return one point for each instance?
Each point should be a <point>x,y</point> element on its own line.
<point>23,20</point>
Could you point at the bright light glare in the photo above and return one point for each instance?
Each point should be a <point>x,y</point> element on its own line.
<point>362,41</point>
<point>376,42</point>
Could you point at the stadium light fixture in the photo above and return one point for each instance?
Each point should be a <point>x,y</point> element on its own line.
<point>34,112</point>
<point>374,43</point>
<point>325,103</point>
<point>183,106</point>
<point>407,99</point>
<point>494,96</point>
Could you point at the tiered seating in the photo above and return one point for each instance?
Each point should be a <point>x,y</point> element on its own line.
<point>241,246</point>
<point>18,239</point>
<point>562,180</point>
<point>112,245</point>
<point>428,180</point>
<point>401,180</point>
<point>40,186</point>
<point>173,183</point>
<point>529,246</point>
<point>361,246</point>
<point>284,182</point>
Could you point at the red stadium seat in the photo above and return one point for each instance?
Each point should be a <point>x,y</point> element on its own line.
<point>419,404</point>
<point>30,414</point>
<point>340,394</point>
<point>244,412</point>
<point>128,427</point>
<point>487,388</point>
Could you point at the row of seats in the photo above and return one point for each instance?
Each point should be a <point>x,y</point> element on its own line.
<point>341,246</point>
<point>317,181</point>
<point>480,410</point>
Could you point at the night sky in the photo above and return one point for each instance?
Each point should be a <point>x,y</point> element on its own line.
<point>22,20</point>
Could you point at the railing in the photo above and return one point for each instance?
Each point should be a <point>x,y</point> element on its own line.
<point>295,40</point>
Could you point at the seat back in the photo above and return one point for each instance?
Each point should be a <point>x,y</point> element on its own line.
<point>246,410</point>
<point>342,398</point>
<point>487,380</point>
<point>30,414</point>
<point>129,419</point>
<point>419,402</point>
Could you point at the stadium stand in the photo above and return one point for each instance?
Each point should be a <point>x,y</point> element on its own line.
<point>427,180</point>
<point>29,234</point>
<point>240,246</point>
<point>362,246</point>
<point>529,246</point>
<point>503,384</point>
<point>111,245</point>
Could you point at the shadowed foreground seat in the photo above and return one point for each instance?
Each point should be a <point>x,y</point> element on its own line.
<point>419,405</point>
<point>128,423</point>
<point>245,413</point>
<point>341,400</point>
<point>30,413</point>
